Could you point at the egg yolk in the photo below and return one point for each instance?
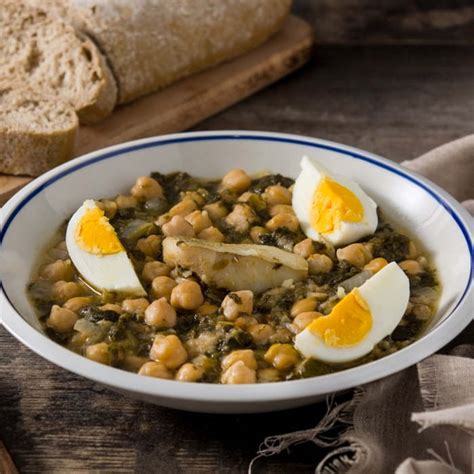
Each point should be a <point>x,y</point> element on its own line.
<point>332,204</point>
<point>95,234</point>
<point>348,323</point>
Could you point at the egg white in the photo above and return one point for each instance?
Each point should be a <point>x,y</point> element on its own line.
<point>386,294</point>
<point>103,272</point>
<point>347,232</point>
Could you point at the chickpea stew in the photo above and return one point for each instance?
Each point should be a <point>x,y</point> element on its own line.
<point>227,280</point>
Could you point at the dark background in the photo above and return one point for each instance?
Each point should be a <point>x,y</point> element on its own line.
<point>393,77</point>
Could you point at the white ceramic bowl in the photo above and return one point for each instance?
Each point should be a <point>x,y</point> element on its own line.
<point>30,218</point>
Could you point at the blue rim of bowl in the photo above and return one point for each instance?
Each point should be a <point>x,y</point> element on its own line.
<point>158,142</point>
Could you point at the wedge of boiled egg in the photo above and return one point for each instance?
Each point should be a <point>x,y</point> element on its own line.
<point>97,252</point>
<point>332,208</point>
<point>359,320</point>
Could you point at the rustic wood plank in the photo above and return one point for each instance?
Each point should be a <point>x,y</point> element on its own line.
<point>9,185</point>
<point>193,99</point>
<point>352,22</point>
<point>398,102</point>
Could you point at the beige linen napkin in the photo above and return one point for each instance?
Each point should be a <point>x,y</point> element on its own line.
<point>421,420</point>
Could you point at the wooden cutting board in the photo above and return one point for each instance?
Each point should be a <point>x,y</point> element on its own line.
<point>191,100</point>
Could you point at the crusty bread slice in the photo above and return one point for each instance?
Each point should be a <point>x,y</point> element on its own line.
<point>43,52</point>
<point>36,133</point>
<point>152,43</point>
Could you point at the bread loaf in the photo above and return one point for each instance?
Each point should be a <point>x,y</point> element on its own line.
<point>36,133</point>
<point>43,52</point>
<point>152,43</point>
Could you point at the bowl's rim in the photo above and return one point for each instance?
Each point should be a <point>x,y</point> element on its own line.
<point>440,335</point>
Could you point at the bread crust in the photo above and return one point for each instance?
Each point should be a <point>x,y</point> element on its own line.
<point>152,43</point>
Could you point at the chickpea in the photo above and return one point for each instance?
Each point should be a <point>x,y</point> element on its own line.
<point>212,234</point>
<point>281,209</point>
<point>261,333</point>
<point>160,314</point>
<point>99,353</point>
<point>376,264</point>
<point>206,309</point>
<point>422,312</point>
<point>256,232</point>
<point>125,202</point>
<point>146,188</point>
<point>111,307</point>
<point>283,220</point>
<point>245,197</point>
<point>149,246</point>
<point>216,210</point>
<point>304,319</point>
<point>196,196</point>
<point>277,195</point>
<point>189,373</point>
<point>61,319</point>
<point>135,305</point>
<point>155,369</point>
<point>412,267</point>
<point>319,263</point>
<point>59,252</point>
<point>109,207</point>
<point>162,220</point>
<point>236,180</point>
<point>355,254</point>
<point>422,261</point>
<point>302,306</point>
<point>268,375</point>
<point>241,217</point>
<point>151,270</point>
<point>78,302</point>
<point>236,303</point>
<point>239,373</point>
<point>65,290</point>
<point>304,248</point>
<point>168,350</point>
<point>58,270</point>
<point>133,363</point>
<point>183,208</point>
<point>247,356</point>
<point>245,322</point>
<point>187,295</point>
<point>282,335</point>
<point>178,226</point>
<point>161,287</point>
<point>199,220</point>
<point>282,356</point>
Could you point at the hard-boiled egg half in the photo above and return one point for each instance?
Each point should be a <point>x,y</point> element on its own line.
<point>359,320</point>
<point>98,254</point>
<point>332,208</point>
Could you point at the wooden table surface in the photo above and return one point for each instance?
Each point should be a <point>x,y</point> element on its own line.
<point>398,101</point>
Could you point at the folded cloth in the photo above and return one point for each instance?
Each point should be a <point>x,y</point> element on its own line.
<point>420,420</point>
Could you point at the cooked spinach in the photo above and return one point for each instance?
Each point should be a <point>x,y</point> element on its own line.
<point>176,183</point>
<point>282,238</point>
<point>260,184</point>
<point>422,280</point>
<point>235,338</point>
<point>340,272</point>
<point>94,314</point>
<point>389,244</point>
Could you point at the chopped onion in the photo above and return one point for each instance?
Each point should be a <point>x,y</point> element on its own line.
<point>356,280</point>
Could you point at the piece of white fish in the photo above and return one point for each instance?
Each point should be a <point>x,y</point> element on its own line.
<point>235,266</point>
